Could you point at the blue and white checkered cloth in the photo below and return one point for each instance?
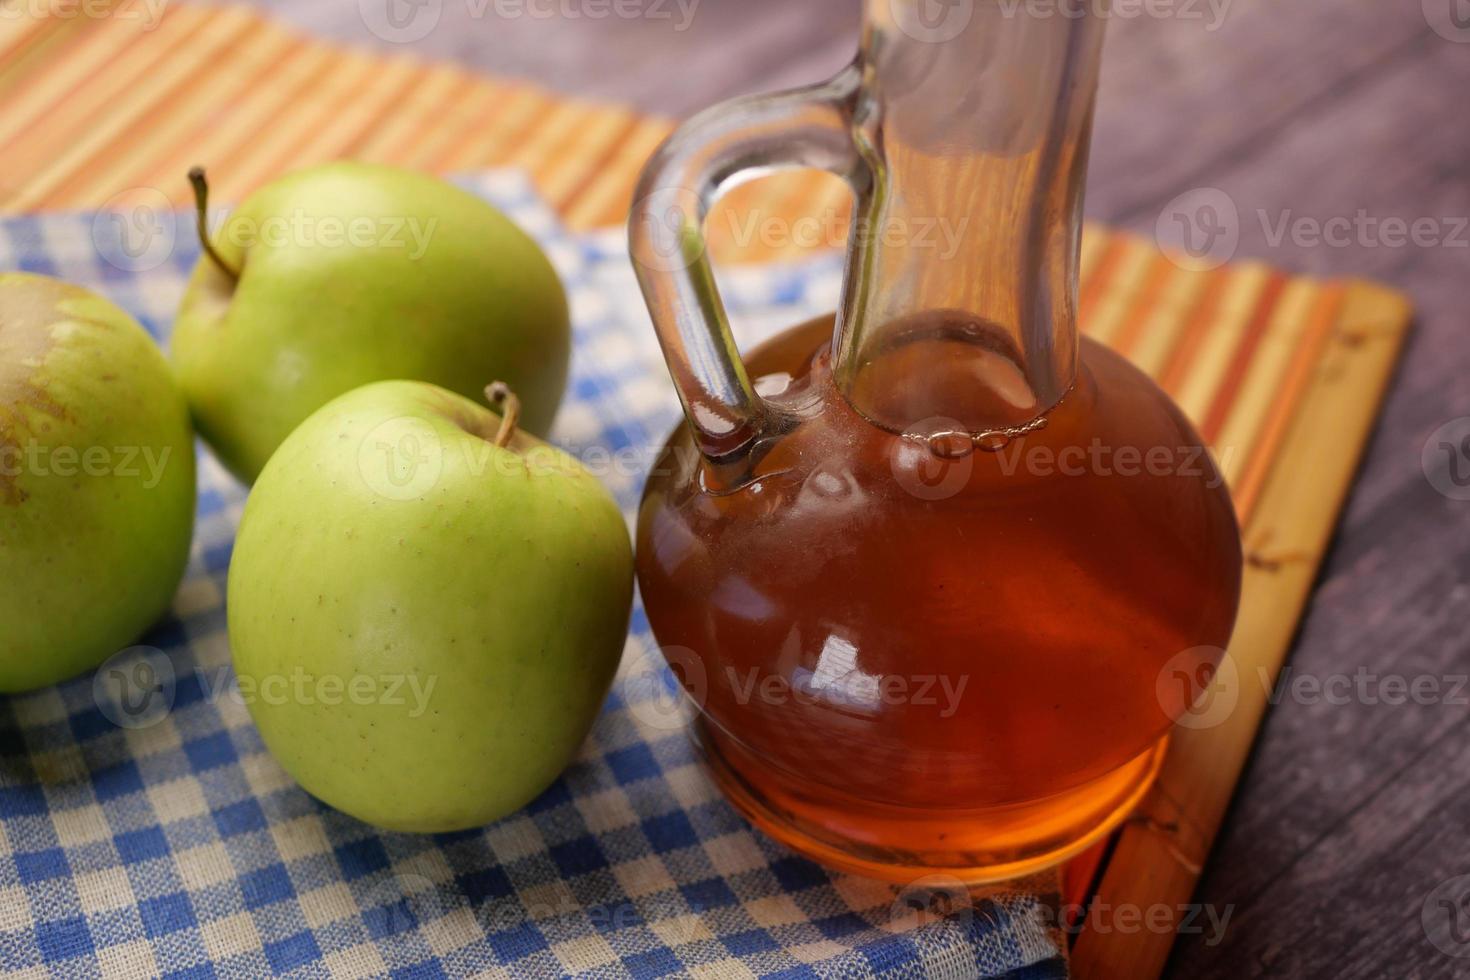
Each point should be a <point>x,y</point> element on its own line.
<point>174,845</point>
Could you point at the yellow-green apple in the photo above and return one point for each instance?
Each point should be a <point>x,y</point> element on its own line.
<point>347,273</point>
<point>96,481</point>
<point>426,607</point>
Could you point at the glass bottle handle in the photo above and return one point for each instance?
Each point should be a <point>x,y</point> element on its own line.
<point>711,152</point>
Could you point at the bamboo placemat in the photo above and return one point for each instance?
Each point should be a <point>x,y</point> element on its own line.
<point>1282,374</point>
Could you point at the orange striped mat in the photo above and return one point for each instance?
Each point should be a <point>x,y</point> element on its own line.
<point>1283,374</point>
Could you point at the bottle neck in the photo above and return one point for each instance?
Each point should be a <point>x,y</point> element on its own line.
<point>960,305</point>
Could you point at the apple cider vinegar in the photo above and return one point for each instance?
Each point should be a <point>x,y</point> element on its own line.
<point>912,658</point>
<point>938,575</point>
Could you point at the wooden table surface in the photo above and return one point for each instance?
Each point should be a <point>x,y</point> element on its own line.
<point>1355,808</point>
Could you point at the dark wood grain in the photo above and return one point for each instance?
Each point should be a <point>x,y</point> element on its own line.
<point>1350,814</point>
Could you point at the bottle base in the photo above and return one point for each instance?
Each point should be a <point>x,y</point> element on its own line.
<point>899,844</point>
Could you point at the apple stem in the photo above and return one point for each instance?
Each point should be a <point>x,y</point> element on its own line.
<point>509,405</point>
<point>201,214</point>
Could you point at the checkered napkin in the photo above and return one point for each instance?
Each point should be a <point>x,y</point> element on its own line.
<point>161,838</point>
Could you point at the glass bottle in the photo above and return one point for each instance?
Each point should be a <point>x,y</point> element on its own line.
<point>932,567</point>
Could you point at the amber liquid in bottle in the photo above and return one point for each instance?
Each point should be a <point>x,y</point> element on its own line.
<point>911,654</point>
<point>938,576</point>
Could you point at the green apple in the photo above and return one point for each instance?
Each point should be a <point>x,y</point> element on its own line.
<point>347,273</point>
<point>96,481</point>
<point>426,607</point>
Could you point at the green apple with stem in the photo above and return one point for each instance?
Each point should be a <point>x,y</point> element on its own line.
<point>426,606</point>
<point>96,481</point>
<point>347,273</point>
